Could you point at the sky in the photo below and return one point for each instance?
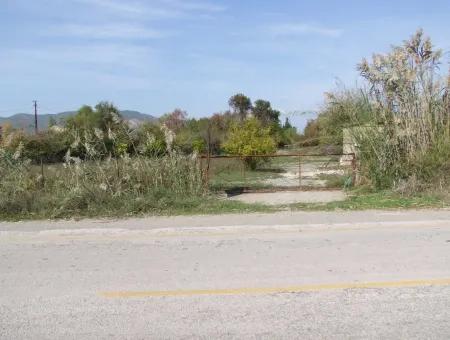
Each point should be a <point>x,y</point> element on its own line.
<point>157,55</point>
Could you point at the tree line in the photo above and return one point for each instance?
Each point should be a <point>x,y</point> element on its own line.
<point>245,129</point>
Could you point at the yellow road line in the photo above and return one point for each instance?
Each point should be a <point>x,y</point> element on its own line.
<point>276,290</point>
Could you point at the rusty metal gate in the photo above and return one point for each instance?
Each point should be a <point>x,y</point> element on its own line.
<point>278,172</point>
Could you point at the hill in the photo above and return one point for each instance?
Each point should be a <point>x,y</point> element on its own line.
<point>26,121</point>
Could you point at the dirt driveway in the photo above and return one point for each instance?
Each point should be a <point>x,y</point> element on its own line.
<point>290,197</point>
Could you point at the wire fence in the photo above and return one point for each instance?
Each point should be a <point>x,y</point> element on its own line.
<point>278,172</point>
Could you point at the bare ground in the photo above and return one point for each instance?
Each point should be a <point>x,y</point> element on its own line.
<point>291,197</point>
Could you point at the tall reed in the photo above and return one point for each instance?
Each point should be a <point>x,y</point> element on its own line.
<point>404,141</point>
<point>98,182</point>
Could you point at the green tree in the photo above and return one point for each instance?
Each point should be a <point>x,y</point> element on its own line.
<point>84,119</point>
<point>289,133</point>
<point>219,125</point>
<point>263,111</point>
<point>189,136</point>
<point>249,139</point>
<point>108,116</point>
<point>311,134</point>
<point>105,117</point>
<point>204,134</point>
<point>47,146</point>
<point>100,130</point>
<point>287,124</point>
<point>241,105</point>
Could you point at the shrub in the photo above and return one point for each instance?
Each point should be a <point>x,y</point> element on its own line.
<point>250,139</point>
<point>95,184</point>
<point>151,141</point>
<point>47,147</point>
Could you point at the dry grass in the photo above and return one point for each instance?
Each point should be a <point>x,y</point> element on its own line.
<point>403,135</point>
<point>96,185</point>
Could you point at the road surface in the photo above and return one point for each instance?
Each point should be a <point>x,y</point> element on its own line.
<point>288,275</point>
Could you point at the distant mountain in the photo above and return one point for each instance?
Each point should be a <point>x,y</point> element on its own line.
<point>26,121</point>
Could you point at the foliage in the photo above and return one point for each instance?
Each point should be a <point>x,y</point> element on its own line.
<point>263,111</point>
<point>97,164</point>
<point>193,137</point>
<point>311,134</point>
<point>85,186</point>
<point>48,147</point>
<point>399,121</point>
<point>288,134</point>
<point>151,141</point>
<point>101,131</point>
<point>105,117</point>
<point>241,105</point>
<point>86,118</point>
<point>250,139</point>
<point>219,125</point>
<point>175,120</point>
<point>287,124</point>
<point>406,142</point>
<point>400,124</point>
<point>343,108</point>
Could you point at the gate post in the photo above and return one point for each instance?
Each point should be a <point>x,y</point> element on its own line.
<point>204,175</point>
<point>300,171</point>
<point>354,177</point>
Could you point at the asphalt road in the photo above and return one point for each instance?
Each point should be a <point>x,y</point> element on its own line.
<point>287,275</point>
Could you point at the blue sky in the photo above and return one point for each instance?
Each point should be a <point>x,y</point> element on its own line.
<point>156,55</point>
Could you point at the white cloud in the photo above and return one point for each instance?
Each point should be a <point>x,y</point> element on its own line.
<point>120,6</point>
<point>132,9</point>
<point>297,29</point>
<point>118,31</point>
<point>114,57</point>
<point>195,6</point>
<point>156,9</point>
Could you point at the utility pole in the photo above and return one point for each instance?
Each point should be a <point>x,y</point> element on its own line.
<point>35,117</point>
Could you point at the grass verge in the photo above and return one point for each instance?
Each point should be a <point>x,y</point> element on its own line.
<point>142,206</point>
<point>209,205</point>
<point>384,200</point>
